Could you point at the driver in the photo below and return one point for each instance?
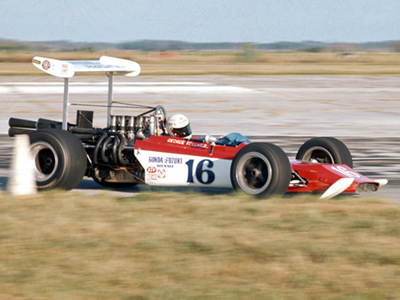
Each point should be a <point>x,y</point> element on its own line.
<point>178,125</point>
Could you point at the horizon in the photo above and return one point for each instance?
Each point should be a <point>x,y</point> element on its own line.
<point>209,21</point>
<point>194,42</point>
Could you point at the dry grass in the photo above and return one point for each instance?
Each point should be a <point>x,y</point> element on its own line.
<point>194,246</point>
<point>226,63</point>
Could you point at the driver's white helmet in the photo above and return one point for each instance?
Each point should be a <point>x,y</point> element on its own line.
<point>178,125</point>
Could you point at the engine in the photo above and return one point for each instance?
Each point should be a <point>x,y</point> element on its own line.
<point>132,127</point>
<point>110,151</point>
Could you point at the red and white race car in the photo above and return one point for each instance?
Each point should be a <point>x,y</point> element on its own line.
<point>136,149</point>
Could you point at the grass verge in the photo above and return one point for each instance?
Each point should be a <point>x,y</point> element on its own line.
<point>193,246</point>
<point>224,63</point>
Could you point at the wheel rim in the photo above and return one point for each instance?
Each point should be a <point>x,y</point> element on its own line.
<point>318,154</point>
<point>254,173</point>
<point>46,161</point>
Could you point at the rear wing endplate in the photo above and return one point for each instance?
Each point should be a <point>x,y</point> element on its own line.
<point>67,69</point>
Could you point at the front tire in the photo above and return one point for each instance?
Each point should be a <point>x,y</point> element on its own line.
<point>325,150</point>
<point>59,159</point>
<point>261,169</point>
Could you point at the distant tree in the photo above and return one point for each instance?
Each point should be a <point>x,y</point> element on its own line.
<point>395,46</point>
<point>344,47</point>
<point>249,52</point>
<point>315,49</point>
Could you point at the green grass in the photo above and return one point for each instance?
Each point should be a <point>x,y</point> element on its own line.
<point>224,63</point>
<point>193,246</point>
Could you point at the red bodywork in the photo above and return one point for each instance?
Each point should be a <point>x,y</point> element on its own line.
<point>321,176</point>
<point>192,147</point>
<point>315,177</point>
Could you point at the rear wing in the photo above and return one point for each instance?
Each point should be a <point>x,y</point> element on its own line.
<point>67,69</point>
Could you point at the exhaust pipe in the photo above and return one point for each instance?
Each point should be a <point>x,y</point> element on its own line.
<point>40,124</point>
<point>45,123</point>
<point>16,131</point>
<point>21,123</point>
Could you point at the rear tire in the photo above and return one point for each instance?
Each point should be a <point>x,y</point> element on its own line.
<point>59,159</point>
<point>261,169</point>
<point>325,150</point>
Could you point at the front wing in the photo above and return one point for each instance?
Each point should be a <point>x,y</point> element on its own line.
<point>330,179</point>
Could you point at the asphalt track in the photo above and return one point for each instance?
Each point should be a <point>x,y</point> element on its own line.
<point>362,111</point>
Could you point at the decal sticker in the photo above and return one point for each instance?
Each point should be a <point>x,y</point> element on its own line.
<point>64,69</point>
<point>46,65</point>
<point>187,143</point>
<point>151,177</point>
<point>173,160</point>
<point>346,172</point>
<point>164,162</point>
<point>151,170</point>
<point>202,169</point>
<point>175,141</point>
<point>161,173</point>
<point>196,144</point>
<point>156,159</point>
<point>35,61</point>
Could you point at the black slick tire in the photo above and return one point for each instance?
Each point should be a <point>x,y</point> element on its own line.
<point>325,150</point>
<point>59,158</point>
<point>261,169</point>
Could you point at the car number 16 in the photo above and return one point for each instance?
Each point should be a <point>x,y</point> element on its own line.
<point>203,167</point>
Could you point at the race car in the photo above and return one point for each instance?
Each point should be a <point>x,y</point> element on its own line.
<point>138,148</point>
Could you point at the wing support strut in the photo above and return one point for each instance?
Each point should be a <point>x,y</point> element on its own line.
<point>110,97</point>
<point>65,104</point>
<point>67,69</point>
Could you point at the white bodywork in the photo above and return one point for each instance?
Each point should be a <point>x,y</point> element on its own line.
<point>68,68</point>
<point>169,169</point>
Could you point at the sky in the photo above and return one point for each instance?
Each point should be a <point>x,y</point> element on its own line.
<point>258,21</point>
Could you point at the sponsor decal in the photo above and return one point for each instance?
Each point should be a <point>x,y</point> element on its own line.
<point>196,144</point>
<point>46,65</point>
<point>164,162</point>
<point>173,160</point>
<point>156,159</point>
<point>64,69</point>
<point>161,173</point>
<point>187,143</point>
<point>100,66</point>
<point>151,170</point>
<point>151,177</point>
<point>35,61</point>
<point>175,141</point>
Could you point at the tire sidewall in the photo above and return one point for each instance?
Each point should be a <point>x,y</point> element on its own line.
<point>336,148</point>
<point>278,163</point>
<point>70,154</point>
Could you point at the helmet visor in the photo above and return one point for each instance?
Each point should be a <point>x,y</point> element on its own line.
<point>182,132</point>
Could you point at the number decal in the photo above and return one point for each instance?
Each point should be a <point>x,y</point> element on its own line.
<point>190,171</point>
<point>346,172</point>
<point>200,171</point>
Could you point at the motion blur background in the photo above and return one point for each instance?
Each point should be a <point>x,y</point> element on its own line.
<point>279,71</point>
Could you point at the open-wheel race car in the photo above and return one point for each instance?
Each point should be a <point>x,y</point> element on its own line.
<point>141,149</point>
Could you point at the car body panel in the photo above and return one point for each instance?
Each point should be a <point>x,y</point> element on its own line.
<point>171,161</point>
<point>321,176</point>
